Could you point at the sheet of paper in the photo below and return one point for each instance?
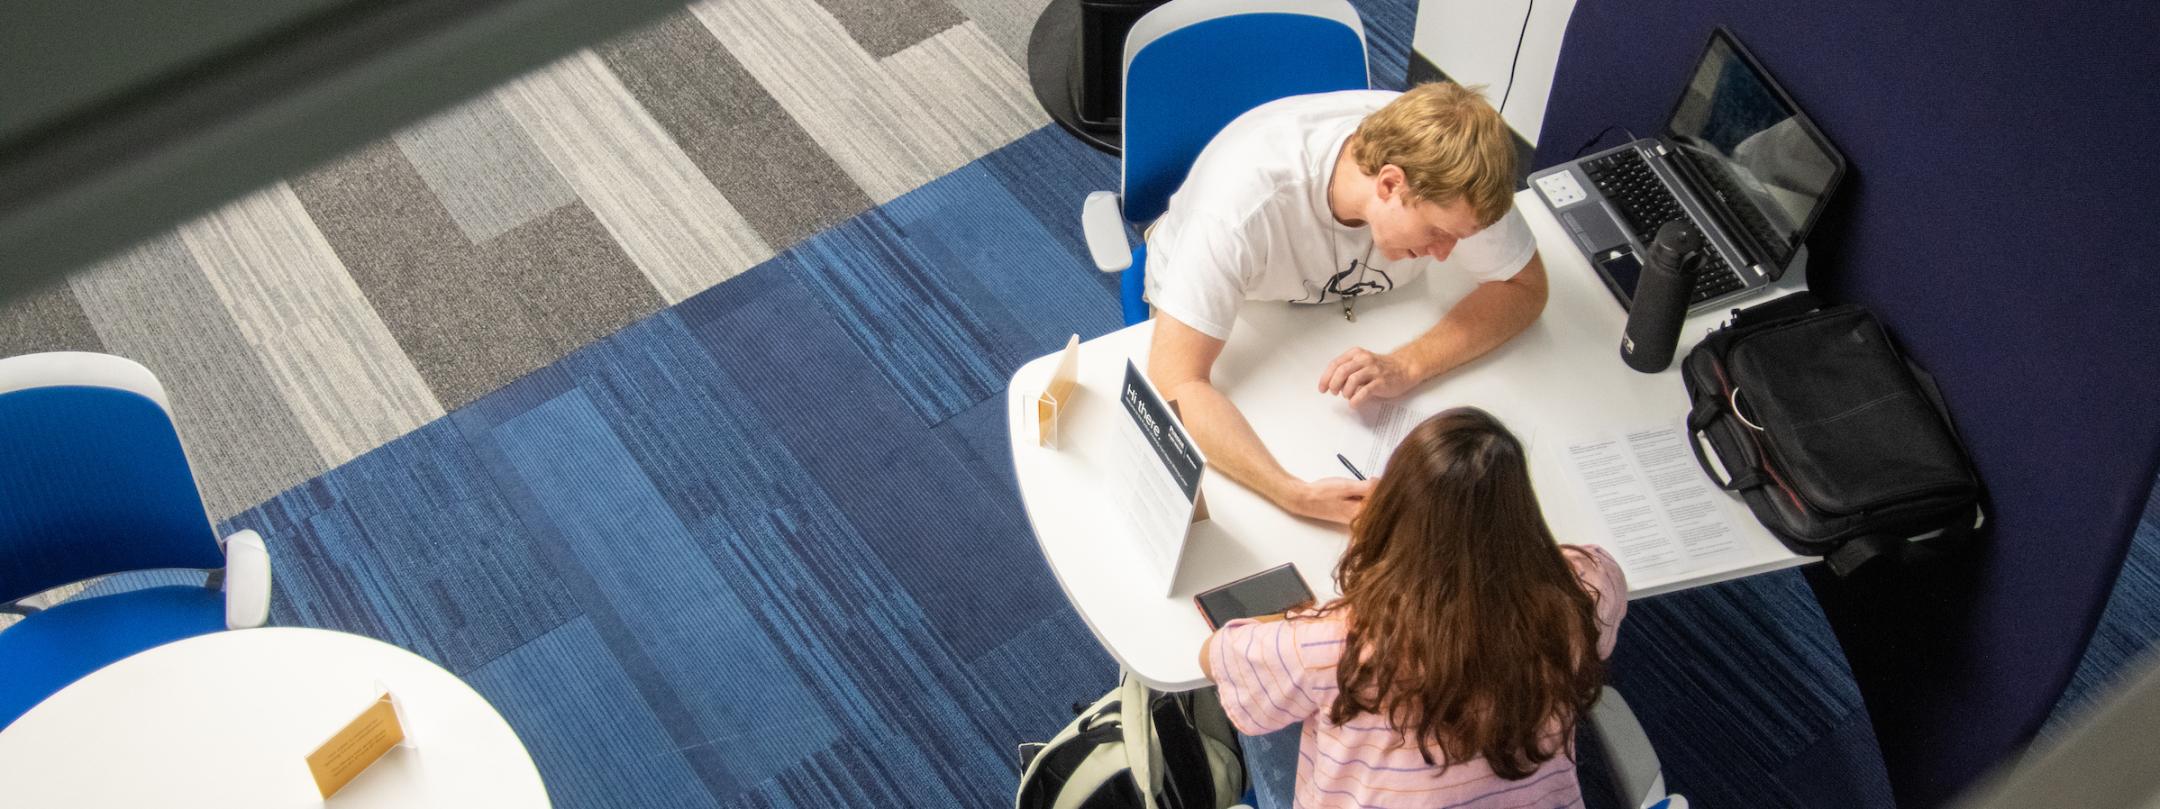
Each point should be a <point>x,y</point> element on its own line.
<point>1659,513</point>
<point>1388,423</point>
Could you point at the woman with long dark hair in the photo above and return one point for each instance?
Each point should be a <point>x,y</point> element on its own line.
<point>1465,647</point>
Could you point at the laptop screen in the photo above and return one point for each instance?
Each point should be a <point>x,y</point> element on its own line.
<point>1755,151</point>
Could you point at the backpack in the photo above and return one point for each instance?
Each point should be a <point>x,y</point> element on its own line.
<point>1192,761</point>
<point>1839,445</point>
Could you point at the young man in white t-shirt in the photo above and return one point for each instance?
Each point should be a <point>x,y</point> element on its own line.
<point>1322,199</point>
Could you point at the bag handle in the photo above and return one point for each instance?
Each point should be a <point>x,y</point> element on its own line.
<point>1697,436</point>
<point>1695,442</point>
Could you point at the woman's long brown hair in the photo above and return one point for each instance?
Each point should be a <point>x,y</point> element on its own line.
<point>1467,628</point>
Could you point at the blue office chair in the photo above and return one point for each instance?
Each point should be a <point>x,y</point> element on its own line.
<point>93,482</point>
<point>1190,67</point>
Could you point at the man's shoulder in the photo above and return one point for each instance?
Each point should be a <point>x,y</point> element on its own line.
<point>1336,102</point>
<point>1280,142</point>
<point>1285,124</point>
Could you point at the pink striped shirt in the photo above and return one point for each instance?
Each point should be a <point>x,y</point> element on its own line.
<point>1274,674</point>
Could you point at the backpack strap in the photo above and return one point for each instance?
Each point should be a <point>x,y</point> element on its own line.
<point>1861,550</point>
<point>1139,724</point>
<point>1188,774</point>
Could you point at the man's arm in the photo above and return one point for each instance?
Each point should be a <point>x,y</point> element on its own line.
<point>1179,364</point>
<point>1490,315</point>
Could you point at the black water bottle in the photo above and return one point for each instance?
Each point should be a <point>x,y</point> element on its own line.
<point>1661,298</point>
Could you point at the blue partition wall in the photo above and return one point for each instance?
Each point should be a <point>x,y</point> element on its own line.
<point>1997,217</point>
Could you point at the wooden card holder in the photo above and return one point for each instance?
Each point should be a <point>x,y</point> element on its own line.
<point>1057,395</point>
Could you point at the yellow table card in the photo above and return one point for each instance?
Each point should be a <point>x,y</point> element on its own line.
<point>360,744</point>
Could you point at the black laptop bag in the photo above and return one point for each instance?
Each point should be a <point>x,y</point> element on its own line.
<point>1838,444</point>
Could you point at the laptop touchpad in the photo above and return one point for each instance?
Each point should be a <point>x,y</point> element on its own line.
<point>1597,230</point>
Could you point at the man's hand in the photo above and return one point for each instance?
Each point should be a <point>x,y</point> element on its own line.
<point>1360,374</point>
<point>1332,499</point>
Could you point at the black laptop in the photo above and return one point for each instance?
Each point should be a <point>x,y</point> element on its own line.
<point>1737,159</point>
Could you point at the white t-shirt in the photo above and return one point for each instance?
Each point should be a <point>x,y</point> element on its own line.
<point>1252,221</point>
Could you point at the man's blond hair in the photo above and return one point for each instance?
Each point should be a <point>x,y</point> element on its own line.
<point>1450,145</point>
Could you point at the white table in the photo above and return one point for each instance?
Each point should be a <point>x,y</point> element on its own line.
<point>227,720</point>
<point>1559,382</point>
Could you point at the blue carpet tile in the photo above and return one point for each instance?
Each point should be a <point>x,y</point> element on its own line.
<point>763,548</point>
<point>1747,697</point>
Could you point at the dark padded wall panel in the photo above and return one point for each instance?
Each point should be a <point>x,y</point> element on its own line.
<point>1999,216</point>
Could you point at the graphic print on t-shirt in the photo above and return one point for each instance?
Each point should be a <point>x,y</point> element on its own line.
<point>1360,279</point>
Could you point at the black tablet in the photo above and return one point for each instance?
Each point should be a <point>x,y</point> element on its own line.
<point>1267,592</point>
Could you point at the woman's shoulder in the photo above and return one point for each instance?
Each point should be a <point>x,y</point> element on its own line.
<point>1594,563</point>
<point>1319,633</point>
<point>1600,576</point>
<point>1317,621</point>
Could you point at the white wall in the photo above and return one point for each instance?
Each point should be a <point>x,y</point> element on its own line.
<point>1472,42</point>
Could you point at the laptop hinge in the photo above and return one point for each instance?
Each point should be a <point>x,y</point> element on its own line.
<point>1743,242</point>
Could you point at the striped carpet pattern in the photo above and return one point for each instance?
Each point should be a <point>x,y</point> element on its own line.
<point>322,316</point>
<point>760,548</point>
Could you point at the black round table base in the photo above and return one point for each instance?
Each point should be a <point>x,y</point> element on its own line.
<point>1053,68</point>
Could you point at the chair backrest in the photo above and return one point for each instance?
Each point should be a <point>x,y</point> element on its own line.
<point>1191,66</point>
<point>92,477</point>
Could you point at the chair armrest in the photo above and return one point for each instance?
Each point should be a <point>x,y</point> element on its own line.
<point>1620,736</point>
<point>1102,219</point>
<point>247,581</point>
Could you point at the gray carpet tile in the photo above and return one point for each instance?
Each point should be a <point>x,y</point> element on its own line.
<point>462,328</point>
<point>573,281</point>
<point>470,320</point>
<point>487,173</point>
<point>891,124</point>
<point>669,218</point>
<point>45,319</point>
<point>758,157</point>
<point>1007,22</point>
<point>323,344</point>
<point>887,27</point>
<point>152,304</point>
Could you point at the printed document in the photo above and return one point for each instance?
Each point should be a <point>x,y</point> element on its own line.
<point>1659,512</point>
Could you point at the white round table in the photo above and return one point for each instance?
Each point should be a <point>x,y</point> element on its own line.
<point>228,719</point>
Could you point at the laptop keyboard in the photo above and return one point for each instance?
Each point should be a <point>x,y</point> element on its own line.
<point>1642,199</point>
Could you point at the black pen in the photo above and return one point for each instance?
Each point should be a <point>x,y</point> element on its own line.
<point>1346,465</point>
